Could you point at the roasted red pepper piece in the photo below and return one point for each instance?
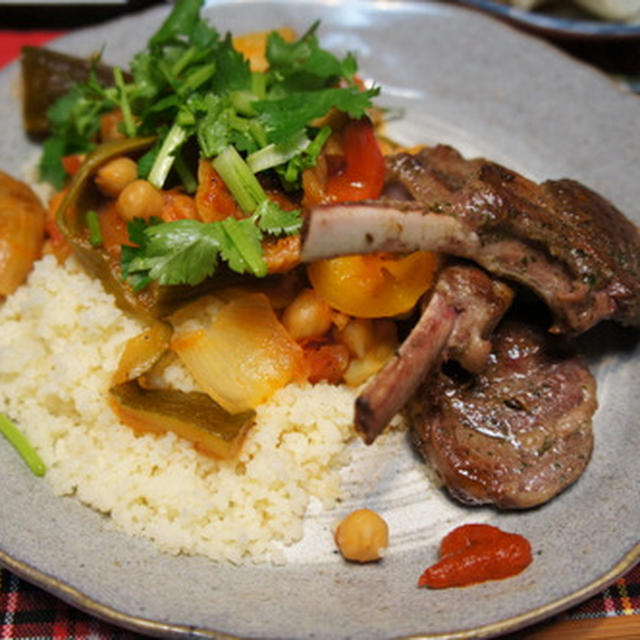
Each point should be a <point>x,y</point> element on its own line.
<point>362,177</point>
<point>477,553</point>
<point>72,163</point>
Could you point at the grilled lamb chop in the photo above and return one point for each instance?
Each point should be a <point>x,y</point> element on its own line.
<point>559,238</point>
<point>463,308</point>
<point>516,434</point>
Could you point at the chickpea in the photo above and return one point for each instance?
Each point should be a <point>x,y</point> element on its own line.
<point>357,336</point>
<point>139,199</point>
<point>362,536</point>
<point>307,316</point>
<point>115,175</point>
<point>377,347</point>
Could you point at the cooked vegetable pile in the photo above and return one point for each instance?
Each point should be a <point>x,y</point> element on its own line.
<point>198,96</point>
<point>181,184</point>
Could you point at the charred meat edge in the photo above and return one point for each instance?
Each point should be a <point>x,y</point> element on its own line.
<point>458,319</point>
<point>560,239</point>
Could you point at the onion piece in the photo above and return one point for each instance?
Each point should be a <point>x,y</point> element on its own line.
<point>142,352</point>
<point>191,415</point>
<point>243,356</point>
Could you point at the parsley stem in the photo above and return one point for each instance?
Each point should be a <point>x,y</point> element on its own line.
<point>166,156</point>
<point>196,78</point>
<point>20,443</point>
<point>258,132</point>
<point>241,102</point>
<point>259,84</point>
<point>125,107</point>
<point>183,61</point>
<point>239,178</point>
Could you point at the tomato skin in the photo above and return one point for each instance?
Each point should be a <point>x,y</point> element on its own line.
<point>325,361</point>
<point>72,163</point>
<point>364,172</point>
<point>477,553</point>
<point>213,199</point>
<point>115,231</point>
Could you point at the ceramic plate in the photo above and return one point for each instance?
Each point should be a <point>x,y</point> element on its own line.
<point>468,80</point>
<point>562,22</point>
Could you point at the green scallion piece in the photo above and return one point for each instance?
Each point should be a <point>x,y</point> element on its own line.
<point>166,156</point>
<point>273,155</point>
<point>239,178</point>
<point>95,232</point>
<point>20,443</point>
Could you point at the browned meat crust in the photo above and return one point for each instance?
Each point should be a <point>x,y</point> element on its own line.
<point>562,240</point>
<point>516,434</point>
<point>458,319</point>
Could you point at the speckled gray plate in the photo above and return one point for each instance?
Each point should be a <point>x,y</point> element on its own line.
<point>468,80</point>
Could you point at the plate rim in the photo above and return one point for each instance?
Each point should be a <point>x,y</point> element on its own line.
<point>74,597</point>
<point>110,614</point>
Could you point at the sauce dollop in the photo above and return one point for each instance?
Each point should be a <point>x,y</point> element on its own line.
<point>474,553</point>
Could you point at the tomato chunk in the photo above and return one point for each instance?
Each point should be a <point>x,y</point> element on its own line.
<point>363,174</point>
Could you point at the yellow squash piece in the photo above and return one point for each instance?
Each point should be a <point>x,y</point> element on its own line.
<point>373,286</point>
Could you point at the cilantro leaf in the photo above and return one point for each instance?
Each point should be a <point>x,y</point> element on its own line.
<point>214,123</point>
<point>243,249</point>
<point>182,21</point>
<point>286,117</point>
<point>188,251</point>
<point>51,169</point>
<point>276,221</point>
<point>232,70</point>
<point>304,64</point>
<point>74,119</point>
<point>189,86</point>
<point>179,252</point>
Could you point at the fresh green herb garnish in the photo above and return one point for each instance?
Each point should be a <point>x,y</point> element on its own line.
<point>19,442</point>
<point>191,86</point>
<point>95,232</point>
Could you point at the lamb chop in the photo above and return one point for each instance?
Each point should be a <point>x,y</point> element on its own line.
<point>566,243</point>
<point>458,318</point>
<point>516,434</point>
<point>559,238</point>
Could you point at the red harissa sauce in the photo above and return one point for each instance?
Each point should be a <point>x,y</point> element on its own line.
<point>476,553</point>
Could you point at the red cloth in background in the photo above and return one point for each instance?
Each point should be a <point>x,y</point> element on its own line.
<point>11,41</point>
